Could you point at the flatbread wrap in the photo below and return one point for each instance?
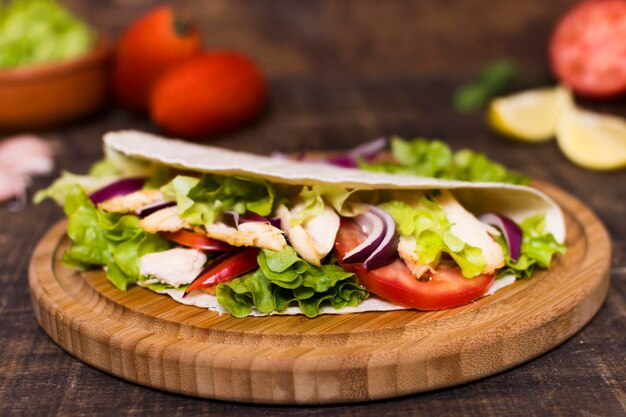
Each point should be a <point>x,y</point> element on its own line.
<point>250,235</point>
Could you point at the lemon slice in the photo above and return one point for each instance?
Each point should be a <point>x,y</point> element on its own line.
<point>529,116</point>
<point>592,140</point>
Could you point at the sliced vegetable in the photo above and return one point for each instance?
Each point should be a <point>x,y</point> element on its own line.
<point>373,227</point>
<point>343,160</point>
<point>112,240</point>
<point>510,230</point>
<point>197,241</point>
<point>232,218</point>
<point>445,288</point>
<point>352,157</point>
<point>226,268</point>
<point>379,249</point>
<point>120,187</point>
<point>275,221</point>
<point>428,223</point>
<point>284,279</point>
<point>537,250</point>
<point>369,149</point>
<point>433,158</point>
<point>113,167</point>
<point>151,208</point>
<point>202,201</point>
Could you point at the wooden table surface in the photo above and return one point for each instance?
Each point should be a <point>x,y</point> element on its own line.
<point>341,72</point>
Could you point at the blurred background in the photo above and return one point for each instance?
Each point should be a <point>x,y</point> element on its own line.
<point>343,72</point>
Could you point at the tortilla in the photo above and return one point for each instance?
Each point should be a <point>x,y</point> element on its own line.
<point>514,201</point>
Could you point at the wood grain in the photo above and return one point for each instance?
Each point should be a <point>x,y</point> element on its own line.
<point>151,340</point>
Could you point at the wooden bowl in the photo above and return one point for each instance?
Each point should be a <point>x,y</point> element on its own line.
<point>46,95</point>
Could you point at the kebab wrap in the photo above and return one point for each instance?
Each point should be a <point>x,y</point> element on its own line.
<point>252,235</point>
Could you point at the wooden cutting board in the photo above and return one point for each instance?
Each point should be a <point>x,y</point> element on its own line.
<point>151,340</point>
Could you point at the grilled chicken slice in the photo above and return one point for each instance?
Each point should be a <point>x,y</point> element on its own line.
<point>472,231</point>
<point>175,267</point>
<point>258,234</point>
<point>165,220</point>
<point>131,203</point>
<point>315,237</point>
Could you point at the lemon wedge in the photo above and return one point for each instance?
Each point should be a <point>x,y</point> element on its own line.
<point>530,116</point>
<point>591,140</point>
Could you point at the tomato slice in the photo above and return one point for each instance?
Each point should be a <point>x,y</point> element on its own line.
<point>394,282</point>
<point>588,48</point>
<point>197,241</point>
<point>226,267</point>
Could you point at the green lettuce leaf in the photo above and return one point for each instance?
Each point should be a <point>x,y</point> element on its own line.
<point>337,197</point>
<point>111,240</point>
<point>284,279</point>
<point>425,158</point>
<point>113,167</point>
<point>201,201</point>
<point>312,206</point>
<point>60,188</point>
<point>537,251</point>
<point>313,198</point>
<point>428,223</point>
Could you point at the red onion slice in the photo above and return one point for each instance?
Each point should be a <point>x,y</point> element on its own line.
<point>151,208</point>
<point>381,245</point>
<point>275,221</point>
<point>510,230</point>
<point>365,151</point>
<point>232,218</point>
<point>344,161</point>
<point>370,149</point>
<point>373,227</point>
<point>386,252</point>
<point>118,188</point>
<point>348,159</point>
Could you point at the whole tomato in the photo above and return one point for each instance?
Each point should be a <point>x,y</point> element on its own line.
<point>588,48</point>
<point>153,44</point>
<point>209,94</point>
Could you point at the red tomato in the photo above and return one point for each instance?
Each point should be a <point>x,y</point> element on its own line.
<point>588,48</point>
<point>153,44</point>
<point>197,241</point>
<point>225,268</point>
<point>394,282</point>
<point>209,94</point>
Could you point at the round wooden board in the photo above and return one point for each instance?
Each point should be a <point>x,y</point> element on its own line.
<point>151,340</point>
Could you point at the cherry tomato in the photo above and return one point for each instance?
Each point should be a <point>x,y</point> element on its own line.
<point>588,48</point>
<point>197,241</point>
<point>226,267</point>
<point>394,282</point>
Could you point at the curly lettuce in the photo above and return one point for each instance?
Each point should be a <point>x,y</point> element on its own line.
<point>113,167</point>
<point>201,201</point>
<point>537,250</point>
<point>428,223</point>
<point>433,158</point>
<point>284,279</point>
<point>111,240</point>
<point>314,198</point>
